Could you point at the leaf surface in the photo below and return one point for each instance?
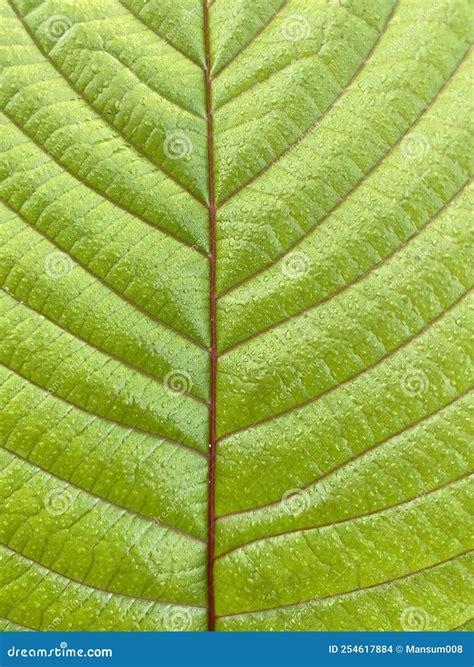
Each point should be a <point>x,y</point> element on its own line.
<point>236,312</point>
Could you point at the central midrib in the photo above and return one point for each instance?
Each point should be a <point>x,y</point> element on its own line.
<point>212,299</point>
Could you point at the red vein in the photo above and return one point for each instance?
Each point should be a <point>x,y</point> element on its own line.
<point>162,37</point>
<point>108,420</point>
<point>453,629</point>
<point>355,590</point>
<point>340,202</point>
<point>97,191</point>
<point>326,392</point>
<point>100,350</point>
<point>38,563</point>
<point>100,114</point>
<point>123,297</point>
<point>329,297</point>
<point>212,299</point>
<point>380,510</point>
<point>318,119</point>
<point>102,499</point>
<point>245,46</point>
<point>347,462</point>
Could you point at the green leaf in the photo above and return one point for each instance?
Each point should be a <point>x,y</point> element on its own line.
<point>236,314</point>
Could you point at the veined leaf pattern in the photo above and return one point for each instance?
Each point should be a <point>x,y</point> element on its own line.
<point>236,313</point>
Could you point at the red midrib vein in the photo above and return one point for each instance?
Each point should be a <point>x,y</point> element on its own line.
<point>212,298</point>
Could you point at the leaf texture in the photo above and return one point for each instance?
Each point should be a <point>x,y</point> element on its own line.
<point>236,315</point>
